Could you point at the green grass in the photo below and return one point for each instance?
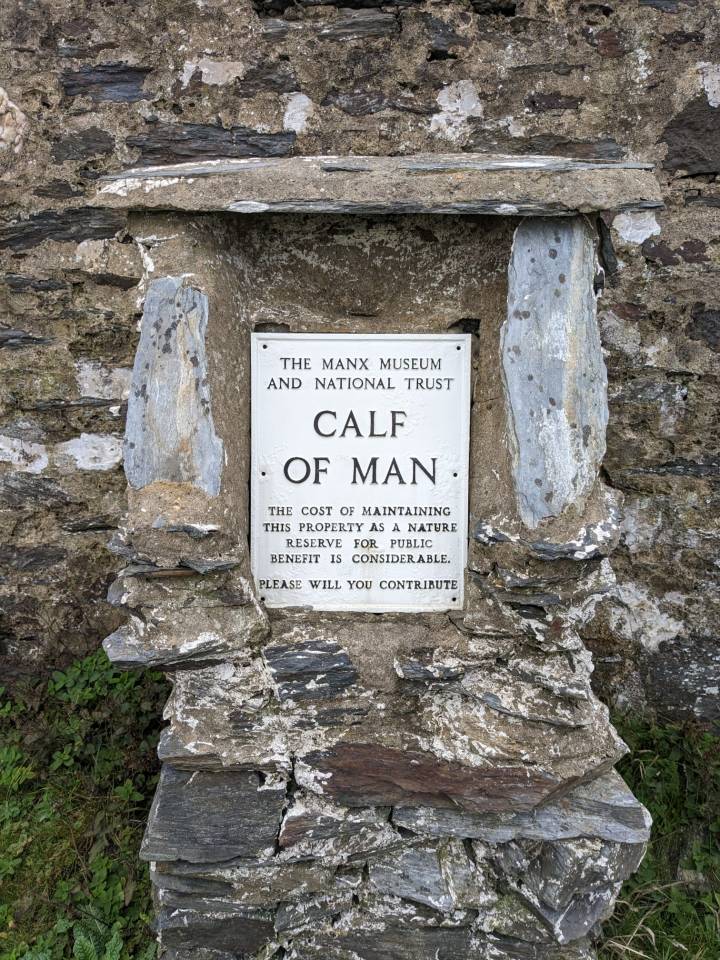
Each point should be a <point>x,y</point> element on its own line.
<point>670,909</point>
<point>78,770</point>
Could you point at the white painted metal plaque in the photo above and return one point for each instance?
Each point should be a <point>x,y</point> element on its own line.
<point>360,451</point>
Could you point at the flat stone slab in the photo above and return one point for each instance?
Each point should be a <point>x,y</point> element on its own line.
<point>442,184</point>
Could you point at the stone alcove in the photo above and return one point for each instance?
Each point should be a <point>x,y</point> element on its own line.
<point>344,785</point>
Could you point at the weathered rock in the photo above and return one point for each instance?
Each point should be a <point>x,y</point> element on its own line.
<point>116,82</point>
<point>309,670</point>
<point>693,138</point>
<point>92,142</point>
<point>190,624</point>
<point>206,817</point>
<point>553,368</point>
<point>362,774</point>
<point>571,884</point>
<point>603,808</point>
<point>180,142</point>
<point>70,226</point>
<point>170,435</point>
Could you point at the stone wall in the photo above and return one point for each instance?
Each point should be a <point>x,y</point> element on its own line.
<point>90,88</point>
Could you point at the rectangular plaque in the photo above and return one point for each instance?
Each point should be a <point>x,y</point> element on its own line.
<point>360,448</point>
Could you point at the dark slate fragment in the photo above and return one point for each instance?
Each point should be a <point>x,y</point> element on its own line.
<point>366,774</point>
<point>92,142</point>
<point>57,190</point>
<point>607,149</point>
<point>396,942</point>
<point>357,103</point>
<point>20,490</point>
<point>693,139</point>
<point>705,468</point>
<point>18,339</point>
<point>314,670</point>
<point>442,38</point>
<point>68,226</point>
<point>704,325</point>
<point>428,664</point>
<point>278,77</point>
<point>31,558</point>
<point>681,678</point>
<point>214,930</point>
<point>542,102</point>
<point>20,284</point>
<point>360,24</point>
<point>271,8</point>
<point>101,521</point>
<point>501,8</point>
<point>114,82</point>
<point>181,142</point>
<point>207,817</point>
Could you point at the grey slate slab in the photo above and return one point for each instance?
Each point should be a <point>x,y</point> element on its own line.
<point>207,817</point>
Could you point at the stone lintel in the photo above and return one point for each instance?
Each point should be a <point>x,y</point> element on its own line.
<point>445,184</point>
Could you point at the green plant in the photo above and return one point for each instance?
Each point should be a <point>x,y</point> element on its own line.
<point>671,908</point>
<point>77,772</point>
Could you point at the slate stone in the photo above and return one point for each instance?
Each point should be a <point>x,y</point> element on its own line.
<point>357,103</point>
<point>313,828</point>
<point>571,884</point>
<point>393,940</point>
<point>292,917</point>
<point>400,943</point>
<point>429,665</point>
<point>31,558</point>
<point>544,102</point>
<point>413,873</point>
<point>181,142</point>
<point>682,677</point>
<point>114,82</point>
<point>169,432</point>
<point>20,491</point>
<point>69,226</point>
<point>693,139</point>
<point>21,339</point>
<point>271,8</point>
<point>213,932</point>
<point>443,38</point>
<point>21,284</point>
<point>313,670</point>
<point>246,883</point>
<point>92,142</point>
<point>358,25</point>
<point>362,774</point>
<point>704,325</point>
<point>207,817</point>
<point>501,8</point>
<point>603,808</point>
<point>555,378</point>
<point>272,77</point>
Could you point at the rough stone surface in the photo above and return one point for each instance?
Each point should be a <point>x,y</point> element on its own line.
<point>170,436</point>
<point>554,369</point>
<point>468,184</point>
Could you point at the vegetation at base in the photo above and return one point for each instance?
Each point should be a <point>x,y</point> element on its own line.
<point>670,909</point>
<point>77,774</point>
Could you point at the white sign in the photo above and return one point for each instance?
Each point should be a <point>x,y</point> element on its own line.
<point>360,470</point>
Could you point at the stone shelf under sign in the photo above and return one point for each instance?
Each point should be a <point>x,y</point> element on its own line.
<point>340,783</point>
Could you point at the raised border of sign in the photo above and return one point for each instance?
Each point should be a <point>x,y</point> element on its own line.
<point>465,385</point>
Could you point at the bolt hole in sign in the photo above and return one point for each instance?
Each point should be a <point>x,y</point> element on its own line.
<point>360,447</point>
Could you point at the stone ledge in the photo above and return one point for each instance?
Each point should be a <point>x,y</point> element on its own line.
<point>448,184</point>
